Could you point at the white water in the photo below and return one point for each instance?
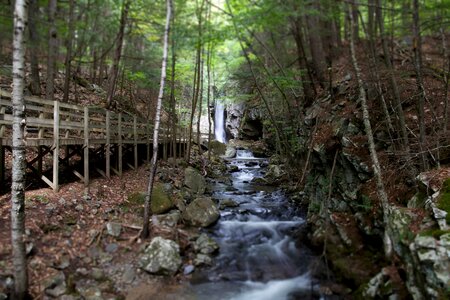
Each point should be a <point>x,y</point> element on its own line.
<point>244,154</point>
<point>219,123</point>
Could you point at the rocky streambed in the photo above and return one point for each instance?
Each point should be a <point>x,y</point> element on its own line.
<point>248,247</point>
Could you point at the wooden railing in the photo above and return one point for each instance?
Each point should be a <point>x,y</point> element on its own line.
<point>62,123</point>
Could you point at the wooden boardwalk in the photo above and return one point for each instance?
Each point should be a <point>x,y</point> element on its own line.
<point>64,131</point>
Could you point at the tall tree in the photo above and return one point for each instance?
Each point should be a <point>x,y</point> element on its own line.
<point>52,50</point>
<point>145,227</point>
<point>114,71</point>
<point>381,191</point>
<point>69,44</point>
<point>417,47</point>
<point>19,155</point>
<point>392,79</point>
<point>35,80</point>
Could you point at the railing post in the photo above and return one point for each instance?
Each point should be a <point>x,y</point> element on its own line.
<point>135,142</point>
<point>120,143</point>
<point>86,147</point>
<point>108,144</point>
<point>56,146</point>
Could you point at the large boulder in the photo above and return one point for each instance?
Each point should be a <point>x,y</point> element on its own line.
<point>194,181</point>
<point>217,148</point>
<point>161,202</point>
<point>161,257</point>
<point>201,212</point>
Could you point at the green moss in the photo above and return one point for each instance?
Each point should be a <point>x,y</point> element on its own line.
<point>135,202</point>
<point>160,200</point>
<point>444,200</point>
<point>436,233</point>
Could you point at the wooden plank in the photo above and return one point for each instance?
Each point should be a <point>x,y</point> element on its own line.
<point>48,181</point>
<point>56,146</point>
<point>78,175</point>
<point>86,147</point>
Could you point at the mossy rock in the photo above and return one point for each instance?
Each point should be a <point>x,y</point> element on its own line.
<point>444,200</point>
<point>161,202</point>
<point>217,148</point>
<point>436,233</point>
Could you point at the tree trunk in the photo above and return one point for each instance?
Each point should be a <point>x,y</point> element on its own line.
<point>172,92</point>
<point>381,191</point>
<point>316,46</point>
<point>35,80</point>
<point>52,50</point>
<point>19,155</point>
<point>113,73</point>
<point>307,81</point>
<point>196,79</point>
<point>69,43</point>
<point>393,81</point>
<point>145,227</point>
<point>417,45</point>
<point>200,102</point>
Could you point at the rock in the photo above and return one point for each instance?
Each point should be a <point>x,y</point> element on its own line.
<point>161,202</point>
<point>201,212</point>
<point>129,274</point>
<point>161,257</point>
<point>62,201</point>
<point>205,245</point>
<point>217,148</point>
<point>97,274</point>
<point>57,291</point>
<point>50,208</point>
<point>188,269</point>
<point>90,293</point>
<point>79,207</point>
<point>194,181</point>
<point>378,286</point>
<point>170,220</point>
<point>202,259</point>
<point>274,172</point>
<point>113,229</point>
<point>63,263</point>
<point>228,203</point>
<point>55,280</point>
<point>233,169</point>
<point>230,152</point>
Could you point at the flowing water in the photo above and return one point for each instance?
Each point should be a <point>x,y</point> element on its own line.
<point>219,123</point>
<point>258,257</point>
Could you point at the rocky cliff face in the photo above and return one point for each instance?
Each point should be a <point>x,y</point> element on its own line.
<point>244,122</point>
<point>347,219</point>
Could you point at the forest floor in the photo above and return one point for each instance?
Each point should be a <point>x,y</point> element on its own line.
<point>66,234</point>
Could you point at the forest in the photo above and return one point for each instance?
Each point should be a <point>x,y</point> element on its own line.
<point>224,149</point>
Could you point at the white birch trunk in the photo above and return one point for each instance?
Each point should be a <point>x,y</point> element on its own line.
<point>19,158</point>
<point>381,191</point>
<point>145,227</point>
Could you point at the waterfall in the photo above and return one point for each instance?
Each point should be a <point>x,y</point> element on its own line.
<point>219,123</point>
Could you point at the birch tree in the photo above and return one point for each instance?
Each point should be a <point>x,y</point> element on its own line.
<point>381,191</point>
<point>19,159</point>
<point>148,197</point>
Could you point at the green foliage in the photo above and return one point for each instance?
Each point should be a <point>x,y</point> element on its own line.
<point>364,203</point>
<point>436,233</point>
<point>444,199</point>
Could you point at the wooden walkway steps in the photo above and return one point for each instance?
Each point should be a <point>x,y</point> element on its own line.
<point>67,131</point>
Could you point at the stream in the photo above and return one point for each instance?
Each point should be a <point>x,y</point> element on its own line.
<point>259,258</point>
